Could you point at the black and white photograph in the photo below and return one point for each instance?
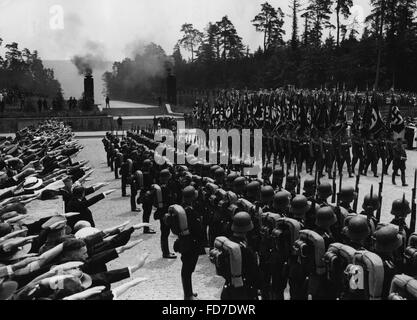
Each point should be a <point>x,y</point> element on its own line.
<point>222,151</point>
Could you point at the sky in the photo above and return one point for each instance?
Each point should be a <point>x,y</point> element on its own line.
<point>60,29</point>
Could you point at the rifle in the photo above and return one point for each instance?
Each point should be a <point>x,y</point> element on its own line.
<point>355,203</point>
<point>334,183</point>
<point>381,186</point>
<point>340,188</point>
<point>295,175</point>
<point>413,205</point>
<point>316,181</point>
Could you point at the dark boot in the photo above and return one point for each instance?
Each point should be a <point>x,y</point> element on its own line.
<point>403,179</point>
<point>393,179</point>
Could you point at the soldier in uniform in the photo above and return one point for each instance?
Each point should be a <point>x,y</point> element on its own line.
<point>229,181</point>
<point>192,243</point>
<point>281,203</point>
<point>357,152</point>
<point>169,198</point>
<point>400,157</point>
<point>371,151</point>
<point>291,185</point>
<point>278,153</point>
<point>370,205</point>
<point>239,186</point>
<point>319,287</point>
<point>324,191</point>
<point>266,175</point>
<point>134,189</point>
<point>325,219</point>
<point>251,274</point>
<point>277,179</point>
<point>357,232</point>
<point>146,196</point>
<point>318,155</point>
<point>346,196</point>
<point>125,172</point>
<point>389,146</point>
<point>297,278</point>
<point>253,191</point>
<point>400,210</point>
<point>344,155</point>
<point>267,196</point>
<point>219,176</point>
<point>329,151</point>
<point>304,152</point>
<point>383,152</point>
<point>309,188</point>
<point>118,161</point>
<point>387,242</point>
<point>310,194</point>
<point>291,148</point>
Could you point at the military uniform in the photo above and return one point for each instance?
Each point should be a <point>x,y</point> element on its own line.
<point>400,157</point>
<point>344,156</point>
<point>329,152</point>
<point>304,152</point>
<point>357,153</point>
<point>372,156</point>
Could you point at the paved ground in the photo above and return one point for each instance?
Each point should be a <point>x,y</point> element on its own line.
<point>127,105</point>
<point>164,276</point>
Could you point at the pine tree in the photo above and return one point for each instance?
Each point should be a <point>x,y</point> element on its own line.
<point>270,22</point>
<point>295,9</point>
<point>191,38</point>
<point>177,55</point>
<point>378,18</point>
<point>342,8</point>
<point>319,11</point>
<point>229,41</point>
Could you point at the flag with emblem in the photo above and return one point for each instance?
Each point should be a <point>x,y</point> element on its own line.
<point>373,119</point>
<point>276,111</point>
<point>397,122</point>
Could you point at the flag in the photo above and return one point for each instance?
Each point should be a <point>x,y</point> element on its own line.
<point>375,124</point>
<point>357,119</point>
<point>342,110</point>
<point>322,117</point>
<point>397,123</point>
<point>276,112</point>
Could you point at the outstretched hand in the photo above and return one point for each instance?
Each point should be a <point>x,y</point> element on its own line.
<point>141,226</point>
<point>86,293</point>
<point>129,246</point>
<point>108,192</point>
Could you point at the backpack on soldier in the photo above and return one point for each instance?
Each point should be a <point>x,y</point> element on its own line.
<point>157,201</point>
<point>139,179</point>
<point>227,258</point>
<point>310,250</point>
<point>410,256</point>
<point>364,277</point>
<point>268,223</point>
<point>176,220</point>
<point>403,287</point>
<point>336,259</point>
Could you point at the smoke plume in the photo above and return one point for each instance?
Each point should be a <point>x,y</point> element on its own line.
<point>93,58</point>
